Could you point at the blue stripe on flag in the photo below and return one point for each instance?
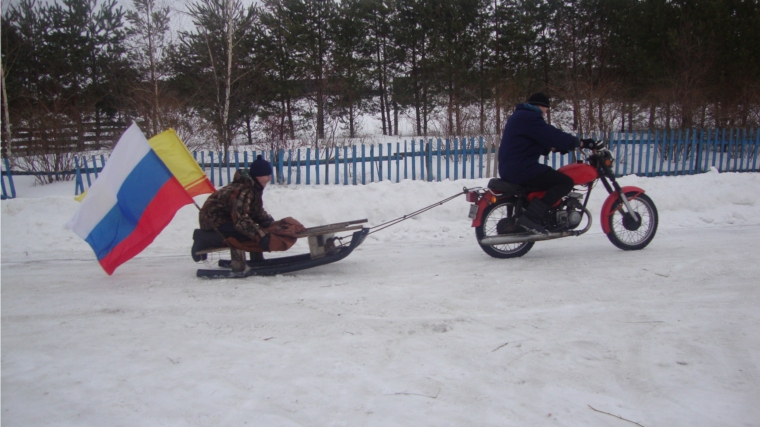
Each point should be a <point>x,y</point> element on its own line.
<point>137,191</point>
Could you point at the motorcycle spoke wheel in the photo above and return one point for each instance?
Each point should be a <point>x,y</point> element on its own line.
<point>621,234</point>
<point>491,217</point>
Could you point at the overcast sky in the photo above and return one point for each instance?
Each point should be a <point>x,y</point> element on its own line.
<point>179,19</point>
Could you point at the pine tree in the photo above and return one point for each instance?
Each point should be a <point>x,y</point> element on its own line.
<point>348,75</point>
<point>311,19</point>
<point>210,63</point>
<point>413,33</point>
<point>149,40</point>
<point>379,16</point>
<point>282,66</point>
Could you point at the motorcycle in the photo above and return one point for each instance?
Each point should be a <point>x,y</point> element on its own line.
<point>628,217</point>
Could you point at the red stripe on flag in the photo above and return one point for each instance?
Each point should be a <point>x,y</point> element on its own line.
<point>202,186</point>
<point>157,215</point>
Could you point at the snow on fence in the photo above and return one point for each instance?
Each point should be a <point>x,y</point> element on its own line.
<point>644,153</point>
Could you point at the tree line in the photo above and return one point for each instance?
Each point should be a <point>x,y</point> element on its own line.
<point>296,72</point>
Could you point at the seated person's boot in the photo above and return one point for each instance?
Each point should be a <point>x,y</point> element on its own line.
<point>533,216</point>
<point>203,239</point>
<point>257,256</point>
<point>237,263</point>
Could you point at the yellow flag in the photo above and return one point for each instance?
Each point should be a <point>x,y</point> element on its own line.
<point>172,151</point>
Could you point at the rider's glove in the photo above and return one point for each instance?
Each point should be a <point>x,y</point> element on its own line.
<point>591,144</point>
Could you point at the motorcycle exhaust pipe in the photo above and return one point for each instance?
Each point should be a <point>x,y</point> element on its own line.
<point>525,237</point>
<point>504,239</point>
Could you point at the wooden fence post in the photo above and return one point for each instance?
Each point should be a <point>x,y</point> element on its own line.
<point>9,174</point>
<point>316,166</point>
<point>353,163</point>
<point>78,184</point>
<point>389,162</point>
<point>757,149</point>
<point>398,169</point>
<point>308,166</point>
<point>439,160</point>
<point>298,166</point>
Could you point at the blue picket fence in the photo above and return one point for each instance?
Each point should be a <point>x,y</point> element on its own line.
<point>643,153</point>
<point>361,164</point>
<point>648,153</point>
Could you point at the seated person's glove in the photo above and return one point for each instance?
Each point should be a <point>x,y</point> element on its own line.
<point>591,144</point>
<point>266,223</point>
<point>264,242</point>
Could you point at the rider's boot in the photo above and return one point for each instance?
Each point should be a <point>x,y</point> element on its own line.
<point>533,217</point>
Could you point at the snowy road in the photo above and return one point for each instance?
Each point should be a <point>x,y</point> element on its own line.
<point>401,333</point>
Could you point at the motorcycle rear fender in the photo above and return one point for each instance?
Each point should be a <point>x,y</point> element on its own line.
<point>612,198</point>
<point>482,205</point>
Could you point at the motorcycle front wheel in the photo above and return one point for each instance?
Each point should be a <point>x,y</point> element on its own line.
<point>487,228</point>
<point>632,234</point>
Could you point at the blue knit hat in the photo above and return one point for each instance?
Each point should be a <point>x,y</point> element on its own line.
<point>539,99</point>
<point>260,167</point>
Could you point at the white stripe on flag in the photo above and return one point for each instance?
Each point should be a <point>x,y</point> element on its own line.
<point>101,197</point>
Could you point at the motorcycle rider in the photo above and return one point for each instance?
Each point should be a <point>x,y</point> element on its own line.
<point>526,137</point>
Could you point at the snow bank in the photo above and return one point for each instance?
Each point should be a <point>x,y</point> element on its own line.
<point>418,327</point>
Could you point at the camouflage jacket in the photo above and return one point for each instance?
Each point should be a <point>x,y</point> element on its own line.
<point>239,202</point>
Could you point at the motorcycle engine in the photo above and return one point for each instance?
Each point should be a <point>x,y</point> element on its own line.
<point>570,215</point>
<point>568,218</point>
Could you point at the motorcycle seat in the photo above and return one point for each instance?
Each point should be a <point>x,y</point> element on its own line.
<point>501,186</point>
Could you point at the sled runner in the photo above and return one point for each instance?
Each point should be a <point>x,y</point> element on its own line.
<point>324,248</point>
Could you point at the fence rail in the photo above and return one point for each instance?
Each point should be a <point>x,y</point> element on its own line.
<point>643,153</point>
<point>70,138</point>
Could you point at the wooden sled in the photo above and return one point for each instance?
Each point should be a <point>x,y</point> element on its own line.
<point>322,250</point>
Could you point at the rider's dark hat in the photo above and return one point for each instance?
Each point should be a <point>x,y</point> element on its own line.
<point>539,98</point>
<point>260,167</point>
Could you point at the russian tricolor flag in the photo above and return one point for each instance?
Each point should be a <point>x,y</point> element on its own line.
<point>132,200</point>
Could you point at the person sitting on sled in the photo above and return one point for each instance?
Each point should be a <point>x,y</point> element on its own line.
<point>526,137</point>
<point>235,216</point>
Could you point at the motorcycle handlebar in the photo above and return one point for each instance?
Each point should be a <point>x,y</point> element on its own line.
<point>600,145</point>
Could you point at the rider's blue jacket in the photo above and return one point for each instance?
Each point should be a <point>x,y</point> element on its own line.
<point>526,137</point>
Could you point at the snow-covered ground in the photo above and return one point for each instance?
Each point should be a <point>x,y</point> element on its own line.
<point>418,327</point>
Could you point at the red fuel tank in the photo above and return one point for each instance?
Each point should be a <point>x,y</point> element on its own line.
<point>581,173</point>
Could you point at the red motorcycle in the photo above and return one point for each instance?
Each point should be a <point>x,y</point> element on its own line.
<point>629,217</point>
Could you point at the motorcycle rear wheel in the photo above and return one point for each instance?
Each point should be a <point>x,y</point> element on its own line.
<point>633,235</point>
<point>491,216</point>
